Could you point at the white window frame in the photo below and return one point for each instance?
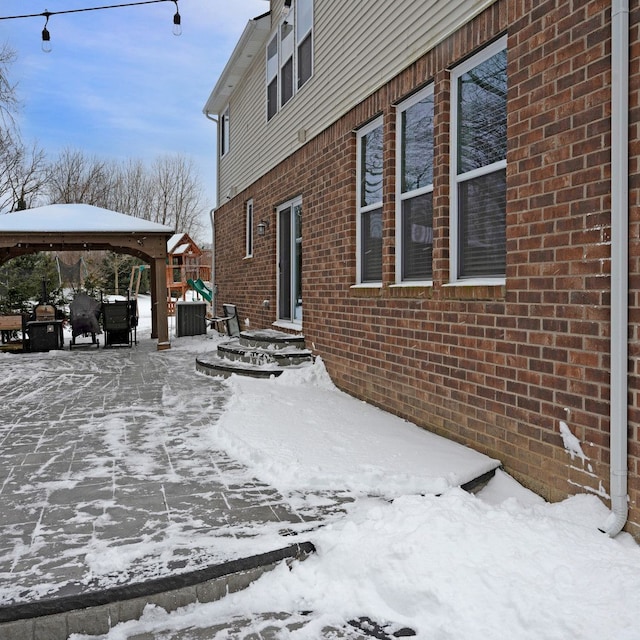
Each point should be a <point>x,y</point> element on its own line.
<point>400,196</point>
<point>273,74</point>
<point>224,132</point>
<point>360,209</point>
<point>301,36</point>
<point>248,229</point>
<point>455,179</point>
<point>287,51</point>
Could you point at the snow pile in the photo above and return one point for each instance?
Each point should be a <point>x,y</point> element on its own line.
<point>298,432</point>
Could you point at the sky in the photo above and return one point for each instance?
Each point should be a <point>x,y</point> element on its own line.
<point>502,564</point>
<point>118,83</point>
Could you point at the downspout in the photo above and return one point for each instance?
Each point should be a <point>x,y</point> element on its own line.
<point>619,265</point>
<point>212,213</point>
<point>214,288</point>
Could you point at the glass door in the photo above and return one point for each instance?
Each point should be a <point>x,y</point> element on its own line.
<point>290,261</point>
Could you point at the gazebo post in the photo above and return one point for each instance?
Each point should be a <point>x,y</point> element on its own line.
<point>159,313</point>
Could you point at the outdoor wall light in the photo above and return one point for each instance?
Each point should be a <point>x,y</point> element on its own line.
<point>263,225</point>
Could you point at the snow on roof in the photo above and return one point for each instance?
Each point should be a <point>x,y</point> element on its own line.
<point>181,249</point>
<point>180,243</point>
<point>173,241</point>
<point>76,218</point>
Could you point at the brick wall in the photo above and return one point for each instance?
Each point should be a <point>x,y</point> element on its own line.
<point>494,367</point>
<point>634,266</point>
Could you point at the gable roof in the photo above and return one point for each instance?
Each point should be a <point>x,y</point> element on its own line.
<point>174,241</point>
<point>180,243</point>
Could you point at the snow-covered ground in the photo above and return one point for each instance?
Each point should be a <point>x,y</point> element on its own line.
<point>502,565</point>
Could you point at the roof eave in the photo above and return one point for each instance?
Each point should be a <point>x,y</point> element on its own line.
<point>252,41</point>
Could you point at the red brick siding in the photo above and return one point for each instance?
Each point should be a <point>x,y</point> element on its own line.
<point>494,367</point>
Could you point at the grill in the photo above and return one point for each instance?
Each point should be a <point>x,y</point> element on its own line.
<point>45,332</point>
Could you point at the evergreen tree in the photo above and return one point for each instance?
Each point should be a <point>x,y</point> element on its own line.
<point>25,280</point>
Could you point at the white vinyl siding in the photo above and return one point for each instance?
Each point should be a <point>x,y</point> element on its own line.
<point>345,71</point>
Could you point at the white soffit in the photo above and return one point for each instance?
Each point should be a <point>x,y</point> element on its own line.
<point>252,42</point>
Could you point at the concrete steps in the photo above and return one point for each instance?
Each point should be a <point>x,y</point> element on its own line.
<point>259,354</point>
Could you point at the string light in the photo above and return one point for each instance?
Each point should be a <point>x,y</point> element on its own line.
<point>46,36</point>
<point>177,26</point>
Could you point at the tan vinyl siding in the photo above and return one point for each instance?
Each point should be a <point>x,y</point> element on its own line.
<point>358,47</point>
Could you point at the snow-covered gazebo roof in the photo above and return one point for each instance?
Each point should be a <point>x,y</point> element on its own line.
<point>77,218</point>
<point>83,227</point>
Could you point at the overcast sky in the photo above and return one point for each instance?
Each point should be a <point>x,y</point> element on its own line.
<point>117,82</point>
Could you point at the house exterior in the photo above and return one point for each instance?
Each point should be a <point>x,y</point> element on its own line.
<point>443,197</point>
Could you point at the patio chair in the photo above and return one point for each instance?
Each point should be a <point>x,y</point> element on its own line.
<point>229,321</point>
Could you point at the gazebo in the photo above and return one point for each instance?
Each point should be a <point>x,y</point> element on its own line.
<point>82,227</point>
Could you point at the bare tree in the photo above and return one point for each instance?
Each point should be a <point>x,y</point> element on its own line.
<point>21,168</point>
<point>9,162</point>
<point>23,175</point>
<point>169,192</point>
<point>132,192</point>
<point>8,99</point>
<point>178,193</point>
<point>76,178</point>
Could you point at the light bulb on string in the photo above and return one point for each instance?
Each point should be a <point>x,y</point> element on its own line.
<point>46,36</point>
<point>177,23</point>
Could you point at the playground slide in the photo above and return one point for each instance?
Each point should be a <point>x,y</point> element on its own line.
<point>201,288</point>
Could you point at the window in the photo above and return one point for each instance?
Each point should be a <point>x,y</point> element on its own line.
<point>304,38</point>
<point>478,165</point>
<point>286,58</point>
<point>224,132</point>
<point>369,204</point>
<point>272,77</point>
<point>414,227</point>
<point>249,228</point>
<point>290,56</point>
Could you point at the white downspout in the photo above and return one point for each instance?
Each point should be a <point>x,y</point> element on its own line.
<point>212,213</point>
<point>208,116</point>
<point>619,265</point>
